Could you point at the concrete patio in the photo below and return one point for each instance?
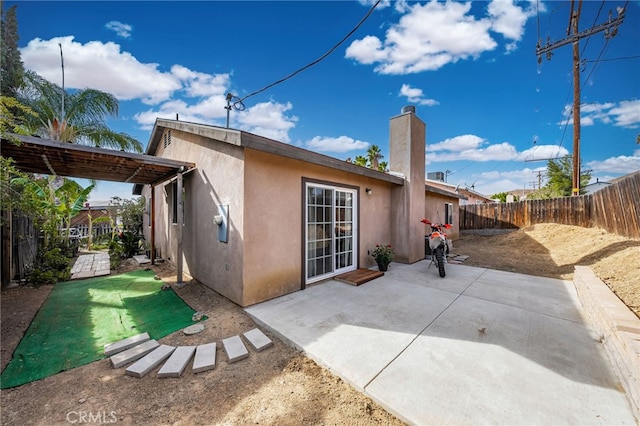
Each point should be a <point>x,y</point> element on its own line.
<point>477,347</point>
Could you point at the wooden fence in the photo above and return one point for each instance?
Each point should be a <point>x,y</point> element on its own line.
<point>615,208</point>
<point>24,247</point>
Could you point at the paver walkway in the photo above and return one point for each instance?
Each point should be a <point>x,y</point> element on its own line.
<point>91,265</point>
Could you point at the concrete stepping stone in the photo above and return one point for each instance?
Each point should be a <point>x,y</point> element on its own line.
<point>142,259</point>
<point>123,358</point>
<point>235,349</point>
<point>150,361</point>
<point>258,339</point>
<point>193,329</point>
<point>177,362</point>
<point>129,342</point>
<point>205,358</point>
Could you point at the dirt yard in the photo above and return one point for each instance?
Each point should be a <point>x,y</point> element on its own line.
<point>279,385</point>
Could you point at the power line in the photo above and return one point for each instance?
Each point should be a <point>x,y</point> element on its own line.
<point>238,105</point>
<point>622,58</point>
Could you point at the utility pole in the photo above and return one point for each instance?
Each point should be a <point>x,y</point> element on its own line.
<point>573,36</point>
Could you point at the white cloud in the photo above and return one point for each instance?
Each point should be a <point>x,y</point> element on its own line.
<point>458,143</point>
<point>429,36</point>
<point>624,114</point>
<point>370,3</point>
<point>194,96</point>
<point>267,119</point>
<point>509,19</point>
<point>416,96</point>
<point>474,148</point>
<point>618,165</point>
<point>339,144</point>
<point>627,113</point>
<point>121,29</point>
<point>493,182</point>
<point>542,152</point>
<point>101,66</point>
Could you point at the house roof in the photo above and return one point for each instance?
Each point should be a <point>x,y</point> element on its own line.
<point>45,156</point>
<point>440,191</point>
<point>260,143</point>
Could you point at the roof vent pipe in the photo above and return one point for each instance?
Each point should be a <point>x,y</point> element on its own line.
<point>409,108</point>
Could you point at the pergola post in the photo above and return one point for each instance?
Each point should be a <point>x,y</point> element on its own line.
<point>179,228</point>
<point>153,223</point>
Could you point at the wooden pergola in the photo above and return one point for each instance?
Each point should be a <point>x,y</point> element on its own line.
<point>44,156</point>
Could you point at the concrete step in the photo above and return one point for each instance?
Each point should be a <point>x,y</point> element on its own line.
<point>235,349</point>
<point>258,339</point>
<point>205,358</point>
<point>129,342</point>
<point>150,361</point>
<point>123,358</point>
<point>175,365</point>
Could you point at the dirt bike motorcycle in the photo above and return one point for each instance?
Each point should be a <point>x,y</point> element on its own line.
<point>439,244</point>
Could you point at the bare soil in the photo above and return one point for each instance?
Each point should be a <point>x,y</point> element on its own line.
<point>278,386</point>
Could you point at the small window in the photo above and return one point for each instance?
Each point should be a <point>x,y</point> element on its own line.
<point>448,213</point>
<point>149,210</point>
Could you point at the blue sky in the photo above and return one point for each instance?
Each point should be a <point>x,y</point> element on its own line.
<point>469,68</point>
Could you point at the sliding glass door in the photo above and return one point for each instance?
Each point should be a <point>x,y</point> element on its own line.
<point>331,226</point>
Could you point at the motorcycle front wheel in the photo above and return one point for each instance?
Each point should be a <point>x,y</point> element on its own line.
<point>440,260</point>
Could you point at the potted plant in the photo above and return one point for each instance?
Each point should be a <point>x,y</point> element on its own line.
<point>383,254</point>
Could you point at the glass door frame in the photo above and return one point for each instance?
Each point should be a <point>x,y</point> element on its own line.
<point>355,236</point>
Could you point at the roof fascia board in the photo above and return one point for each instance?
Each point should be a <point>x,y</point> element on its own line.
<point>433,189</point>
<point>270,146</point>
<point>230,136</point>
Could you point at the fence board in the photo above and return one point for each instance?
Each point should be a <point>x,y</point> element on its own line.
<point>615,208</point>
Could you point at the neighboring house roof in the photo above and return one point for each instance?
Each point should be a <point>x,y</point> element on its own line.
<point>249,140</point>
<point>596,186</point>
<point>442,188</point>
<point>440,191</point>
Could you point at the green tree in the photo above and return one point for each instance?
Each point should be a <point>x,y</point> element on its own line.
<point>12,115</point>
<point>501,196</point>
<point>560,174</point>
<point>71,197</point>
<point>132,212</point>
<point>360,160</point>
<point>11,68</point>
<point>55,202</point>
<point>374,155</point>
<point>82,120</point>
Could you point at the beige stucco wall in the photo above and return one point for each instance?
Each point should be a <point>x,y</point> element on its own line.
<point>218,179</point>
<point>273,256</point>
<point>407,138</point>
<point>264,256</point>
<point>434,211</point>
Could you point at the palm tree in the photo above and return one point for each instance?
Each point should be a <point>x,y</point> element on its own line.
<point>360,160</point>
<point>81,120</point>
<point>374,156</point>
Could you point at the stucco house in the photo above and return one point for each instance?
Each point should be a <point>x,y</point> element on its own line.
<point>257,218</point>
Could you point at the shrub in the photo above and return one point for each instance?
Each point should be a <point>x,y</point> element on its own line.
<point>50,267</point>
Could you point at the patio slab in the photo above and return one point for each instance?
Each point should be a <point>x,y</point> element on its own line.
<point>476,347</point>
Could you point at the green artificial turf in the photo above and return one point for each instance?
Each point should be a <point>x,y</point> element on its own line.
<point>80,317</point>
